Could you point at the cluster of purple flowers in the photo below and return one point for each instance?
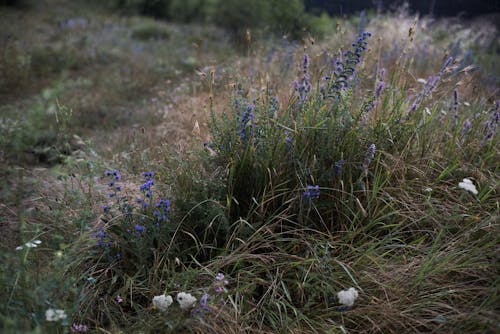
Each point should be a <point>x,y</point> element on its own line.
<point>345,67</point>
<point>112,184</point>
<point>146,186</point>
<point>79,328</point>
<point>274,106</point>
<point>288,141</point>
<point>312,192</point>
<point>162,208</point>
<point>219,283</point>
<point>139,229</point>
<point>491,125</point>
<point>338,166</point>
<point>101,237</point>
<point>372,103</point>
<point>303,85</point>
<point>429,86</point>
<point>370,154</point>
<point>104,242</point>
<point>246,124</point>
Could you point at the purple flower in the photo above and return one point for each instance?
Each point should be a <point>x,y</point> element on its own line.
<point>491,125</point>
<point>139,229</point>
<point>338,166</point>
<point>303,86</point>
<point>370,154</point>
<point>345,67</point>
<point>117,175</point>
<point>247,123</point>
<point>311,192</point>
<point>78,327</point>
<point>219,277</point>
<point>202,306</point>
<point>119,299</point>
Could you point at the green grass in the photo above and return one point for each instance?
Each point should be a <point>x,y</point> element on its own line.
<point>391,222</point>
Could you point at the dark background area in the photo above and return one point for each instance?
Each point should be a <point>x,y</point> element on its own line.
<point>465,8</point>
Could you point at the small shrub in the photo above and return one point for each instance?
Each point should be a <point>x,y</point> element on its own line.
<point>150,31</point>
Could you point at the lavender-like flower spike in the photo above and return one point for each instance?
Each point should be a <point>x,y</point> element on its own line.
<point>303,86</point>
<point>455,107</point>
<point>312,192</point>
<point>370,154</point>
<point>247,123</point>
<point>491,125</point>
<point>380,84</point>
<point>466,126</point>
<point>429,87</point>
<point>345,67</point>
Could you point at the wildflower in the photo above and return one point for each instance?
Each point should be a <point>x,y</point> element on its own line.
<point>119,299</point>
<point>30,244</point>
<point>467,184</point>
<point>345,67</point>
<point>219,277</point>
<point>429,86</point>
<point>247,122</point>
<point>78,328</point>
<point>304,86</point>
<point>274,106</point>
<point>219,289</point>
<point>312,192</point>
<point>185,300</point>
<point>466,126</point>
<point>338,166</point>
<point>117,175</point>
<point>162,302</point>
<point>139,229</point>
<point>203,306</point>
<point>55,315</point>
<point>370,154</point>
<point>348,297</point>
<point>491,125</point>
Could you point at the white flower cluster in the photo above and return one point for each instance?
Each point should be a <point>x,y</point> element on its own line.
<point>29,244</point>
<point>347,297</point>
<point>55,315</point>
<point>162,302</point>
<point>186,301</point>
<point>467,184</point>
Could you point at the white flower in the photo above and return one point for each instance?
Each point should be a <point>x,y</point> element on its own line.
<point>30,244</point>
<point>50,314</point>
<point>61,314</point>
<point>185,300</point>
<point>347,297</point>
<point>55,315</point>
<point>467,184</point>
<point>428,190</point>
<point>162,302</point>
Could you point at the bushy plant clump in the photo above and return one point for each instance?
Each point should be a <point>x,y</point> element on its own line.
<point>291,191</point>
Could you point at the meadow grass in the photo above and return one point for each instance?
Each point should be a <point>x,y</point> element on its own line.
<point>314,168</point>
